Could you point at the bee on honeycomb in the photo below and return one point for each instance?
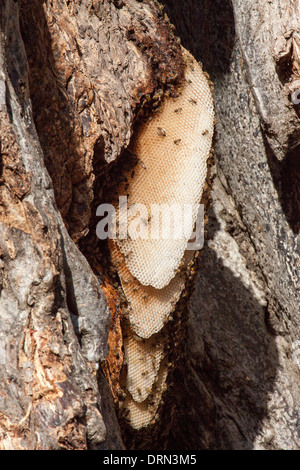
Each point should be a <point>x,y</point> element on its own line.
<point>154,272</point>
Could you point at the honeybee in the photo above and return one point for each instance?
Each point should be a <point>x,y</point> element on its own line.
<point>161,132</point>
<point>143,164</point>
<point>158,95</point>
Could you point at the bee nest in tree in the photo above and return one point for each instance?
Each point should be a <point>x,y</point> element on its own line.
<point>149,308</point>
<point>173,148</point>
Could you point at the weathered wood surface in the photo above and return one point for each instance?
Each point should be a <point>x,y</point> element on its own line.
<point>49,392</point>
<point>73,77</point>
<point>91,64</point>
<point>242,381</point>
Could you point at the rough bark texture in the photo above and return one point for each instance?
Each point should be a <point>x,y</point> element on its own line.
<point>241,382</point>
<point>73,79</point>
<point>91,64</point>
<point>74,76</point>
<point>49,394</point>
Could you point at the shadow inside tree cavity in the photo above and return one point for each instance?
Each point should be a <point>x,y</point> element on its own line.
<point>222,386</point>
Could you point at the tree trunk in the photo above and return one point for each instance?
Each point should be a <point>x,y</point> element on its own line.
<point>75,77</point>
<point>241,383</point>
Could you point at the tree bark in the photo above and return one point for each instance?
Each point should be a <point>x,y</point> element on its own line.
<point>75,76</point>
<point>241,382</point>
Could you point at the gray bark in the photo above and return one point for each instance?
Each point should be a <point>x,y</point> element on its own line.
<point>242,375</point>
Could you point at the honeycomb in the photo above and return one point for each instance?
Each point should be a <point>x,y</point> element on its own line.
<point>149,308</point>
<point>172,149</point>
<point>144,360</point>
<point>140,415</point>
